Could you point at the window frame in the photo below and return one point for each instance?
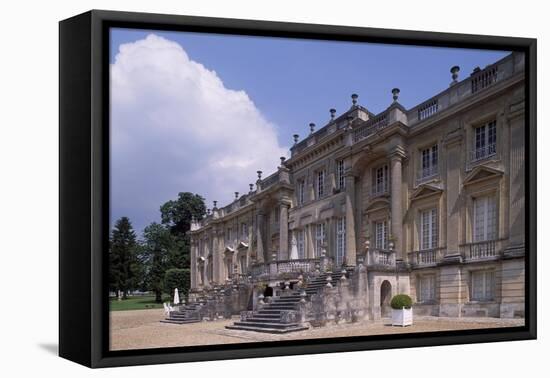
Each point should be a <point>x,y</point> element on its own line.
<point>432,231</point>
<point>488,290</point>
<point>340,241</point>
<point>431,288</point>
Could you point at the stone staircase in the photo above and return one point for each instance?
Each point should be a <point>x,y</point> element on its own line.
<point>271,317</point>
<point>185,314</point>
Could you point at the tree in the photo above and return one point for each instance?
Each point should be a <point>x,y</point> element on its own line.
<point>177,278</point>
<point>157,247</point>
<point>123,263</point>
<point>177,215</point>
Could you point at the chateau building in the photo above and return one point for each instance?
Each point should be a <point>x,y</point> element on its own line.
<point>428,200</point>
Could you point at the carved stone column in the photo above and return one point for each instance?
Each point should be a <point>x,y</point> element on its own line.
<point>283,230</point>
<point>396,185</point>
<point>350,257</point>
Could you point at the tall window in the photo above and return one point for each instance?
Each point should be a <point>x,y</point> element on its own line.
<point>340,240</point>
<point>301,244</point>
<point>485,218</point>
<point>242,261</point>
<point>380,180</point>
<point>483,285</point>
<point>210,269</point>
<point>320,238</point>
<point>428,229</point>
<point>320,183</point>
<point>381,235</point>
<point>229,234</point>
<point>244,231</point>
<point>485,141</point>
<point>429,157</point>
<point>301,190</point>
<point>426,288</point>
<point>340,174</point>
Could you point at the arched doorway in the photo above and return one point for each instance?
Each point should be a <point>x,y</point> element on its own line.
<point>268,292</point>
<point>385,298</point>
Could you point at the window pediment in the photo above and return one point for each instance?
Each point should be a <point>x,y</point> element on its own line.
<point>482,173</point>
<point>425,190</point>
<point>377,204</point>
<point>242,245</point>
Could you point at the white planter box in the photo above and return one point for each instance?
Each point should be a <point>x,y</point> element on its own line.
<point>403,317</point>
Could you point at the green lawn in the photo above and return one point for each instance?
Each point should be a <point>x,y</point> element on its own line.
<point>139,302</point>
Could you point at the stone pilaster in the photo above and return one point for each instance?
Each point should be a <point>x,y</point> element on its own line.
<point>260,236</point>
<point>350,256</point>
<point>283,231</point>
<point>396,208</point>
<point>194,265</point>
<point>453,144</point>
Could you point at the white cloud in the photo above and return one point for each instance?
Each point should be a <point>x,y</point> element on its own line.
<point>176,127</point>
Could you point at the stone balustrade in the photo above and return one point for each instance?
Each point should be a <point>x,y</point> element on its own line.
<point>272,269</point>
<point>484,250</point>
<point>380,257</point>
<point>427,257</point>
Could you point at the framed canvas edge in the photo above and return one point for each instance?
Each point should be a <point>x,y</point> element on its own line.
<point>99,83</point>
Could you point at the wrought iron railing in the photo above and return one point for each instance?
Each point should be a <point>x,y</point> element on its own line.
<point>485,152</point>
<point>380,189</point>
<point>427,173</point>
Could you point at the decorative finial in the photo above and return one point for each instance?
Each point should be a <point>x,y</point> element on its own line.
<point>215,204</point>
<point>454,72</point>
<point>282,160</point>
<point>296,136</point>
<point>332,114</point>
<point>259,174</point>
<point>251,186</point>
<point>236,195</point>
<point>311,127</point>
<point>354,99</point>
<point>395,93</point>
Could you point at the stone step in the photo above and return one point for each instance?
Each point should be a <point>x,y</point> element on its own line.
<point>258,319</point>
<point>266,324</point>
<point>281,307</point>
<point>172,321</point>
<point>266,330</point>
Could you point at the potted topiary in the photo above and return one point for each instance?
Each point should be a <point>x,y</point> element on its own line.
<point>401,313</point>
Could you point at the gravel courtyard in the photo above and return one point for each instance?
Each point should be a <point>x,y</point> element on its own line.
<point>140,329</point>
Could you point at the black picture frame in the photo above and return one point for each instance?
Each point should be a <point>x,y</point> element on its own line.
<point>84,187</point>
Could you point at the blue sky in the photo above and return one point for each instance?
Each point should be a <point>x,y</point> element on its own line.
<point>288,83</point>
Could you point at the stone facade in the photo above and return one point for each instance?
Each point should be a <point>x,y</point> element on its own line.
<point>427,201</point>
